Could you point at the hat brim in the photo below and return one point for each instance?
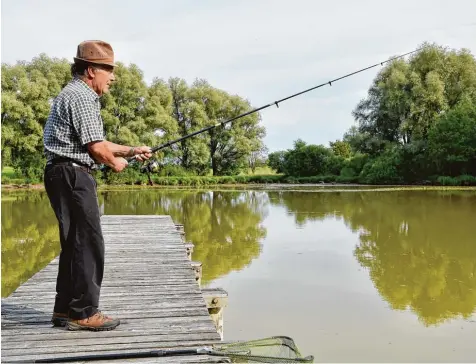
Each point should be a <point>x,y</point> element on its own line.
<point>95,62</point>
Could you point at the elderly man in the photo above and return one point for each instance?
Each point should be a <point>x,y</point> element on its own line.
<point>74,145</point>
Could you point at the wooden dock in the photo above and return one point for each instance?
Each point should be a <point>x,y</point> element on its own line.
<point>149,283</point>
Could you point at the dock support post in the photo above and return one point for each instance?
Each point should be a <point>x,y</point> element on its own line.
<point>217,300</point>
<point>197,267</point>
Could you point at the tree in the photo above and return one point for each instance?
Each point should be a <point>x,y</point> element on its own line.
<point>27,91</point>
<point>341,148</point>
<point>193,153</point>
<point>307,160</point>
<point>277,160</point>
<point>231,144</point>
<point>133,114</point>
<point>452,140</point>
<point>407,97</point>
<point>258,156</point>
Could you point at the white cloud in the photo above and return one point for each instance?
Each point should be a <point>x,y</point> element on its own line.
<point>261,50</point>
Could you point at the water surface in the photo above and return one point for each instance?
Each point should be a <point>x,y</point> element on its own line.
<point>351,276</point>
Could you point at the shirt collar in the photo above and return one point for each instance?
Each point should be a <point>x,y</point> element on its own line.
<point>85,86</point>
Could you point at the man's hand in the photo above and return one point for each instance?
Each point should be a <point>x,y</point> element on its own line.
<point>119,164</point>
<point>142,153</point>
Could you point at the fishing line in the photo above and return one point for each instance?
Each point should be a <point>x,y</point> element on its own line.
<point>277,102</point>
<point>150,165</point>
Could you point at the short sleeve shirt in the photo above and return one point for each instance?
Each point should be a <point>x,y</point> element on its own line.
<point>74,121</point>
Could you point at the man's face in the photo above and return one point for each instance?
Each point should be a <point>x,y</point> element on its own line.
<point>102,79</point>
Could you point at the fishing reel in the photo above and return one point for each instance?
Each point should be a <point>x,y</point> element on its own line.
<point>149,167</point>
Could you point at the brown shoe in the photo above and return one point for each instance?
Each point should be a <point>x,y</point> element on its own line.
<point>96,322</point>
<point>59,319</point>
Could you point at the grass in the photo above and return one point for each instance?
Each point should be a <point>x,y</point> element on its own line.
<point>261,171</point>
<point>261,176</point>
<point>9,176</point>
<point>8,172</point>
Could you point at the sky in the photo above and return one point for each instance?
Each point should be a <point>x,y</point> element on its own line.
<point>261,50</point>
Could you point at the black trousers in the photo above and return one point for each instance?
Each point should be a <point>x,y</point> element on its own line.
<point>73,196</point>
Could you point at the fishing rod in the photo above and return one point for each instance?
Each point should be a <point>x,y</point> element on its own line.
<point>277,102</point>
<point>165,145</point>
<point>274,349</point>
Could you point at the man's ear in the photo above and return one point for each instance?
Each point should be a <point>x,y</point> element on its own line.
<point>90,71</point>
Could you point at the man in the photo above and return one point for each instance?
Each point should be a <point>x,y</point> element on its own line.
<point>74,144</point>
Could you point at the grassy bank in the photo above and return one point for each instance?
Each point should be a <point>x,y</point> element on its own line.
<point>132,177</point>
<point>464,180</point>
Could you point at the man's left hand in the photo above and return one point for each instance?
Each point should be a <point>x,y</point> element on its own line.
<point>142,153</point>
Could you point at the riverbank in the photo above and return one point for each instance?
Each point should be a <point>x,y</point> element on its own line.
<point>262,186</point>
<point>134,178</point>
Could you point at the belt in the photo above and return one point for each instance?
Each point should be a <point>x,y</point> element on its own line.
<point>69,162</point>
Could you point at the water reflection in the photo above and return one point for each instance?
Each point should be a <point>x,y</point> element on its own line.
<point>418,247</point>
<point>29,237</point>
<point>225,227</point>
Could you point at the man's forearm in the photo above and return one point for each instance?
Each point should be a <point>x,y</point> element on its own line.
<point>120,150</point>
<point>102,154</point>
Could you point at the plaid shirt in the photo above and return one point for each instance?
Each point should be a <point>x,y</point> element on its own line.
<point>74,121</point>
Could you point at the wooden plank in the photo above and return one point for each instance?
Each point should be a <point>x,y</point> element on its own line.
<point>178,291</point>
<point>85,344</point>
<point>16,335</point>
<point>73,349</point>
<point>133,326</point>
<point>167,359</point>
<point>152,360</point>
<point>23,312</point>
<point>117,297</point>
<point>149,283</point>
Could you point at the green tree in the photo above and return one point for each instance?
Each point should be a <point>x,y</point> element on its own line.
<point>27,91</point>
<point>133,113</point>
<point>258,155</point>
<point>307,160</point>
<point>230,145</point>
<point>452,141</point>
<point>404,105</point>
<point>277,160</point>
<point>192,153</point>
<point>407,97</point>
<point>384,169</point>
<point>363,141</point>
<point>341,148</point>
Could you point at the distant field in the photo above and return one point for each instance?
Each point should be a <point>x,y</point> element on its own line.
<point>9,176</point>
<point>262,171</point>
<point>8,172</point>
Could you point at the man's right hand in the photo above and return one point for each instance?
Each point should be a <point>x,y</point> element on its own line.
<point>119,164</point>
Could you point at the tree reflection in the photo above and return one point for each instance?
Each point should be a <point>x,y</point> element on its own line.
<point>29,237</point>
<point>419,247</point>
<point>225,227</point>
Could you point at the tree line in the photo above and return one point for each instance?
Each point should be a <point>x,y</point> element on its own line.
<point>134,113</point>
<point>416,125</point>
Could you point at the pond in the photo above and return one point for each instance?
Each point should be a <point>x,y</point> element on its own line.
<point>350,274</point>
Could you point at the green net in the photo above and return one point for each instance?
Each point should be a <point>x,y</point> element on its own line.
<point>276,349</point>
